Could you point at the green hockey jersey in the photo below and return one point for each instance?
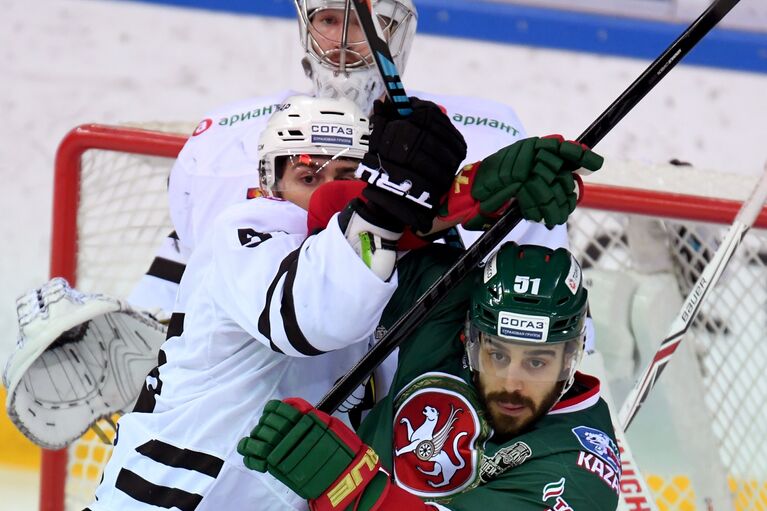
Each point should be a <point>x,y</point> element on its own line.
<point>433,437</point>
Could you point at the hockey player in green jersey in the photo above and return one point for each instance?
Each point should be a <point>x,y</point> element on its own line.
<point>486,411</point>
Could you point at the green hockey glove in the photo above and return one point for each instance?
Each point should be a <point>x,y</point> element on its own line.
<point>537,172</point>
<point>310,452</point>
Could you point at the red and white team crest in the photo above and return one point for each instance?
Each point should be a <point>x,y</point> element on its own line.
<point>435,437</point>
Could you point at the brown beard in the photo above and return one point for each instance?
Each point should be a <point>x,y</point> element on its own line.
<point>506,427</point>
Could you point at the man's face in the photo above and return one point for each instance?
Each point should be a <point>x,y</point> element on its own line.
<point>518,383</point>
<point>304,174</point>
<point>327,27</point>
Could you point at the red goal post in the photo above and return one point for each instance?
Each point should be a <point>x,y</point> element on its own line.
<point>64,238</point>
<point>92,155</point>
<point>66,197</point>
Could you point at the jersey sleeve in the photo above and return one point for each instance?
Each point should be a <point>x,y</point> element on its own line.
<point>299,296</point>
<point>157,289</point>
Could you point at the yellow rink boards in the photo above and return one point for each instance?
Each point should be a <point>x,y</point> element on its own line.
<point>17,451</point>
<point>19,467</point>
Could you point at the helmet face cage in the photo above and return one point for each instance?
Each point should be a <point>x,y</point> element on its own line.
<point>535,363</point>
<point>346,68</point>
<point>304,127</point>
<point>344,55</point>
<point>528,307</point>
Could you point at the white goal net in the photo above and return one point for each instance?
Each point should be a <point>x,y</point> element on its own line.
<point>699,439</point>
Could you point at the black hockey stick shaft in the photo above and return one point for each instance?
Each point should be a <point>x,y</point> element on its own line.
<point>379,49</point>
<point>656,71</point>
<point>405,326</point>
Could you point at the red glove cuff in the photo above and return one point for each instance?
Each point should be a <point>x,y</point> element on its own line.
<point>461,206</point>
<point>333,197</point>
<point>350,484</point>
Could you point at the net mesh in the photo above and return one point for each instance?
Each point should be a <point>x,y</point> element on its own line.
<point>727,337</point>
<point>120,227</point>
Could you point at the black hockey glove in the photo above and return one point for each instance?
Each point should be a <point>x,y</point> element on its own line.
<point>411,162</point>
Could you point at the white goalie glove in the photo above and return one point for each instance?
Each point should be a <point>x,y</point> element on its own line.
<point>79,358</point>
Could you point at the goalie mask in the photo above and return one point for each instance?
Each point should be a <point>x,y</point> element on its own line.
<point>318,133</point>
<point>338,60</point>
<point>527,318</point>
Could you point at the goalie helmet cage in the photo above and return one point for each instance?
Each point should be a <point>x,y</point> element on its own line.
<point>110,214</point>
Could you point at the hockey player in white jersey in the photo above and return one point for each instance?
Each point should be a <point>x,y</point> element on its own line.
<point>266,312</point>
<point>214,170</point>
<point>263,309</point>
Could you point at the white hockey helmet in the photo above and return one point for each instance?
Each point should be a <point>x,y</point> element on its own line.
<point>303,125</point>
<point>346,68</point>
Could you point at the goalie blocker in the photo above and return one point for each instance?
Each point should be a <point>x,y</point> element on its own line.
<point>79,357</point>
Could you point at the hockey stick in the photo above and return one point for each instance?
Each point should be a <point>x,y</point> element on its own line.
<point>379,49</point>
<point>634,490</point>
<point>402,329</point>
<point>707,280</point>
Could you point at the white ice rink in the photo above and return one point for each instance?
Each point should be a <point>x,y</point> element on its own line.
<point>67,62</point>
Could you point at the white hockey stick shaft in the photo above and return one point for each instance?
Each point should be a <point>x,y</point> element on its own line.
<point>707,280</point>
<point>635,493</point>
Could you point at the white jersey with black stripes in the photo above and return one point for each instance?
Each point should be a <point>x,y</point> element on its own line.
<point>264,317</point>
<point>218,167</point>
<point>156,291</point>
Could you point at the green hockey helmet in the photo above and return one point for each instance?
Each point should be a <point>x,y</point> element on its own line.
<point>531,297</point>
